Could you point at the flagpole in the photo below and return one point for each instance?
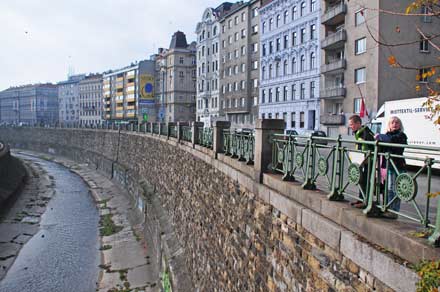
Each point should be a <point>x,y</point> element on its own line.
<point>363,101</point>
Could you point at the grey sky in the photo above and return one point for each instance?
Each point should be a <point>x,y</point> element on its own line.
<point>41,38</point>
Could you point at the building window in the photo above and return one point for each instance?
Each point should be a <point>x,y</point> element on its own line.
<point>243,50</point>
<point>270,47</point>
<point>243,33</point>
<point>255,82</point>
<point>264,27</point>
<point>359,75</point>
<point>254,29</point>
<point>254,47</point>
<point>277,69</point>
<point>302,93</point>
<point>243,85</point>
<point>312,89</point>
<point>293,93</point>
<point>286,41</point>
<point>294,11</point>
<point>303,9</point>
<point>292,120</point>
<point>270,71</point>
<point>243,67</point>
<point>294,34</point>
<point>270,95</point>
<point>301,119</point>
<point>312,5</point>
<point>313,31</point>
<point>278,44</point>
<point>357,105</point>
<point>359,17</point>
<point>255,64</point>
<point>278,20</point>
<point>424,44</point>
<point>302,64</point>
<point>285,93</point>
<point>270,23</point>
<point>312,60</point>
<point>181,60</point>
<point>243,16</point>
<point>264,50</point>
<point>263,96</point>
<point>277,94</point>
<point>236,20</point>
<point>293,65</point>
<point>427,10</point>
<point>285,68</point>
<point>263,72</point>
<point>360,46</point>
<point>236,36</point>
<point>423,75</point>
<point>286,16</point>
<point>303,35</point>
<point>254,12</point>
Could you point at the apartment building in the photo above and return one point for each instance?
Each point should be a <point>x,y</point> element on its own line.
<point>176,78</point>
<point>90,100</point>
<point>68,99</point>
<point>208,69</point>
<point>128,93</point>
<point>29,104</point>
<point>239,64</point>
<point>355,66</point>
<point>290,70</point>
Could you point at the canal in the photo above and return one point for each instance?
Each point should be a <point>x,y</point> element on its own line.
<point>64,253</point>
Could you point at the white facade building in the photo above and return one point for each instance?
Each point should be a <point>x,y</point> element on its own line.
<point>208,65</point>
<point>290,59</point>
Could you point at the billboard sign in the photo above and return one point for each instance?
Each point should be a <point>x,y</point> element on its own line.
<point>146,88</point>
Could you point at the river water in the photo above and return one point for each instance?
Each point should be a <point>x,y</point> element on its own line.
<point>64,254</point>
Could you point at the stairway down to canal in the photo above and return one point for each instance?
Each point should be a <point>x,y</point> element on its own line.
<point>50,234</point>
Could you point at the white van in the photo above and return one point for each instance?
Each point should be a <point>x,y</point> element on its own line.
<point>420,130</point>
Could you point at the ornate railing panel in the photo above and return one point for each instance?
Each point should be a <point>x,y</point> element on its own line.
<point>173,131</point>
<point>239,144</point>
<point>187,133</point>
<point>204,137</point>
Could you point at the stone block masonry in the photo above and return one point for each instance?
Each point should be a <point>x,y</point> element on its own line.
<point>236,234</point>
<point>12,174</point>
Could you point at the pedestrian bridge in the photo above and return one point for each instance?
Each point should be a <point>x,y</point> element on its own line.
<point>260,211</point>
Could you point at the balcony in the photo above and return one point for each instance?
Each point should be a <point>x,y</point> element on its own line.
<point>335,40</point>
<point>332,119</point>
<point>119,100</point>
<point>130,107</point>
<point>119,108</point>
<point>130,115</point>
<point>334,14</point>
<point>119,115</point>
<point>334,66</point>
<point>130,99</point>
<point>107,109</point>
<point>332,93</point>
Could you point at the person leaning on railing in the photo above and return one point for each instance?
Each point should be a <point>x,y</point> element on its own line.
<point>396,135</point>
<point>361,133</point>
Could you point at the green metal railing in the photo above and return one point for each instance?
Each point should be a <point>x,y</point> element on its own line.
<point>173,131</point>
<point>204,137</point>
<point>156,128</point>
<point>352,169</point>
<point>239,144</point>
<point>187,133</point>
<point>163,129</point>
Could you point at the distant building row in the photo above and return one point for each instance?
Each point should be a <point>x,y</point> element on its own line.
<point>309,62</point>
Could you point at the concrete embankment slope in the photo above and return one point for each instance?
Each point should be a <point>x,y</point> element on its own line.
<point>12,174</point>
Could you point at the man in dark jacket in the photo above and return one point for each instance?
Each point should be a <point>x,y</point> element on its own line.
<point>361,133</point>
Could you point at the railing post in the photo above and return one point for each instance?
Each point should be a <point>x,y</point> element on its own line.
<point>335,194</point>
<point>217,136</point>
<point>195,132</point>
<point>310,161</point>
<point>371,209</point>
<point>169,126</point>
<point>434,239</point>
<point>264,130</point>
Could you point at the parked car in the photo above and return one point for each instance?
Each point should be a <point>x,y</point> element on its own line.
<point>291,132</point>
<point>319,134</point>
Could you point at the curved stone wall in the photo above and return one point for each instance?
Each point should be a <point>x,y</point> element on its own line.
<point>236,234</point>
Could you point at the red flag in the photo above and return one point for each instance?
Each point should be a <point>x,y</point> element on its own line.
<point>363,111</point>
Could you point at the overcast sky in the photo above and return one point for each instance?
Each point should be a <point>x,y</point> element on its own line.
<point>40,39</point>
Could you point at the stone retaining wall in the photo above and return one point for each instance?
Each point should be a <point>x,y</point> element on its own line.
<point>238,235</point>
